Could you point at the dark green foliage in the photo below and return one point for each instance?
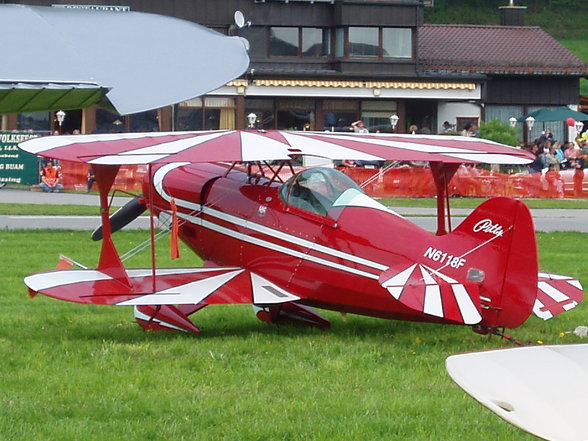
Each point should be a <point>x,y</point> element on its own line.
<point>552,15</point>
<point>499,132</point>
<point>565,20</point>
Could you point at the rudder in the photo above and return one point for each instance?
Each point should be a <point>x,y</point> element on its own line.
<point>504,247</point>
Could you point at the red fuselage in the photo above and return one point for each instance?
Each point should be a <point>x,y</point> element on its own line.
<point>338,260</point>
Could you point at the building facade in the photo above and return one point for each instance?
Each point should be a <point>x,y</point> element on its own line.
<point>323,64</point>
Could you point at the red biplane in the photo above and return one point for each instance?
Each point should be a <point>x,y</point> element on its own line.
<point>287,244</point>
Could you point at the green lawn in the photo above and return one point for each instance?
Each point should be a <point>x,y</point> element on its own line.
<point>85,210</point>
<point>78,372</point>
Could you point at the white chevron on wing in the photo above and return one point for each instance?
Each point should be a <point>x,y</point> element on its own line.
<point>265,292</point>
<point>188,294</point>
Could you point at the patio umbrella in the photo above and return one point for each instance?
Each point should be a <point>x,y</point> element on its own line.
<point>252,145</point>
<point>558,114</point>
<point>69,58</point>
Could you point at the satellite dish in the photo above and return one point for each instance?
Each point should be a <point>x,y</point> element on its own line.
<point>239,19</point>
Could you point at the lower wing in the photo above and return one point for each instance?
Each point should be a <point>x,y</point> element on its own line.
<point>163,299</point>
<point>164,286</point>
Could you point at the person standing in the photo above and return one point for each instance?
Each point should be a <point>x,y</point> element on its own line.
<point>578,166</point>
<point>91,179</point>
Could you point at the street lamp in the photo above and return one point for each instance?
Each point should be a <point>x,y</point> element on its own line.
<point>117,123</point>
<point>60,117</point>
<point>252,117</point>
<point>530,122</point>
<point>513,122</point>
<point>579,126</point>
<point>394,121</point>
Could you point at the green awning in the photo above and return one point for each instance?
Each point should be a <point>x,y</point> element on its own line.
<point>31,97</point>
<point>554,114</point>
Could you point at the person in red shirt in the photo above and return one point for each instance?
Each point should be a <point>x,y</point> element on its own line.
<point>50,178</point>
<point>578,165</point>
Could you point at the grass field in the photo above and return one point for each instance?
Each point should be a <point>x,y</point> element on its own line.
<point>76,372</point>
<point>85,210</point>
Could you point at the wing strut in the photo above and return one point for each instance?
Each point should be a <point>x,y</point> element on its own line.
<point>152,230</point>
<point>110,262</point>
<point>442,174</point>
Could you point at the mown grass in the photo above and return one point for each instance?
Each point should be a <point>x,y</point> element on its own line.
<point>85,210</point>
<point>49,210</point>
<point>78,372</point>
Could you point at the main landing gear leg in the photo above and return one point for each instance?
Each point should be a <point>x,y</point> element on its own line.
<point>167,318</point>
<point>291,314</point>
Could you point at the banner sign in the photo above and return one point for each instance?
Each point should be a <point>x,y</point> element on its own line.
<point>112,8</point>
<point>16,165</point>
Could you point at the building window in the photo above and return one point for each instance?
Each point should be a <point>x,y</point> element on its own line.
<point>144,121</point>
<point>296,114</point>
<point>340,42</point>
<point>299,42</point>
<point>363,42</point>
<point>397,42</point>
<point>34,121</point>
<point>264,111</point>
<point>376,115</point>
<point>374,42</point>
<point>339,114</point>
<point>210,113</point>
<point>316,42</point>
<point>284,42</point>
<point>109,122</point>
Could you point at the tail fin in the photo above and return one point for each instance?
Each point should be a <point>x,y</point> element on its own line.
<point>503,257</point>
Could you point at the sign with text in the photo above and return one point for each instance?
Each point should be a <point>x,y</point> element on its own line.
<point>111,8</point>
<point>16,165</point>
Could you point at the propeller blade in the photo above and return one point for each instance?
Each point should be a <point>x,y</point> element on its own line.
<point>123,216</point>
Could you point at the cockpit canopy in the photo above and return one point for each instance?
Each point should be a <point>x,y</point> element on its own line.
<point>317,189</point>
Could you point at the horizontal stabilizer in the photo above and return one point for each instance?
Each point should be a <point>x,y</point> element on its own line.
<point>425,290</point>
<point>556,294</point>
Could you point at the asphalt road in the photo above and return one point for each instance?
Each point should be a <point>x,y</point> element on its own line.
<point>545,220</point>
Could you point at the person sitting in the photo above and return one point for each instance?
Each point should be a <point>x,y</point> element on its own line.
<point>552,159</point>
<point>50,178</point>
<point>560,154</point>
<point>447,127</point>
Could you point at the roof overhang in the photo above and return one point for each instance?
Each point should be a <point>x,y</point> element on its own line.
<point>21,97</point>
<point>458,90</point>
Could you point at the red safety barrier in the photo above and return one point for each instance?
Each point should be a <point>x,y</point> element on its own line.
<point>468,181</point>
<point>75,177</point>
<point>396,182</point>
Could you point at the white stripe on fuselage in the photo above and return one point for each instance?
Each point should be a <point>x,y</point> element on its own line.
<point>238,221</point>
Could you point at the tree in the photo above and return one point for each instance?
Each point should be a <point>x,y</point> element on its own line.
<point>499,132</point>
